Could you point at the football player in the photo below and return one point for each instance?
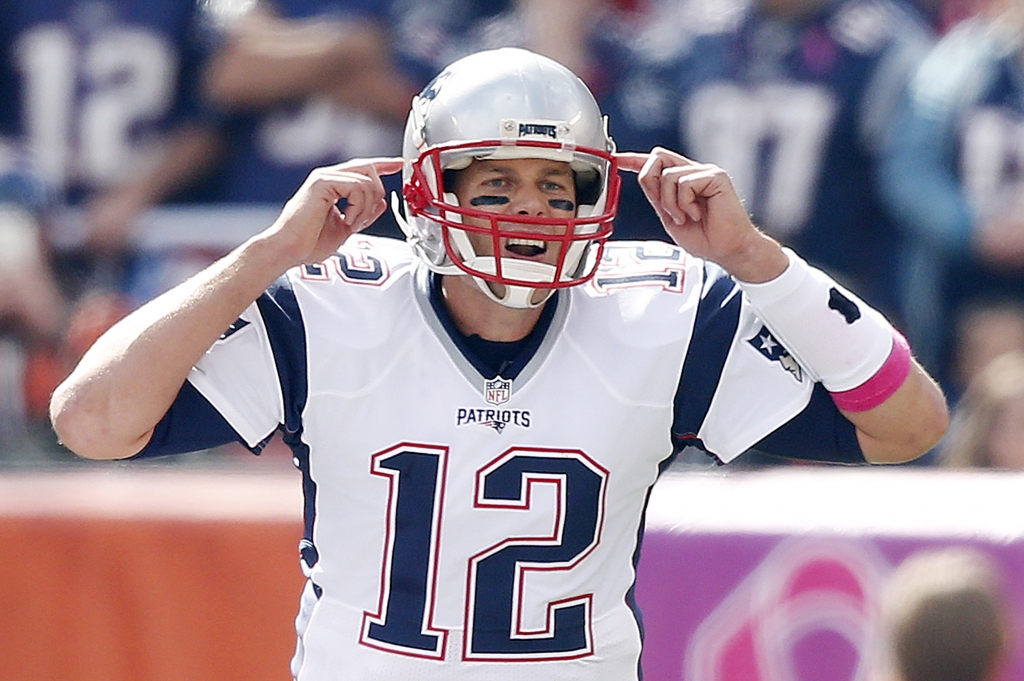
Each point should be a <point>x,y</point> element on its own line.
<point>479,412</point>
<point>793,97</point>
<point>102,93</point>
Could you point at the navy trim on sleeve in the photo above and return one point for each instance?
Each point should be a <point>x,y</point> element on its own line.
<point>287,334</point>
<point>718,316</point>
<point>283,321</point>
<point>818,433</point>
<point>191,424</point>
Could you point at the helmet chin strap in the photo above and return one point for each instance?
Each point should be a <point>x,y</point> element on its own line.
<point>518,297</point>
<point>515,296</point>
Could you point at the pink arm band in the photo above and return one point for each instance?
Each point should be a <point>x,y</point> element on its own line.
<point>877,389</point>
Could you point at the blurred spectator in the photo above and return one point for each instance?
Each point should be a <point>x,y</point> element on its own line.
<point>795,98</point>
<point>987,429</point>
<point>101,92</point>
<point>563,30</point>
<point>944,618</point>
<point>984,330</point>
<point>954,178</point>
<point>304,83</point>
<point>32,309</point>
<point>315,82</point>
<point>96,98</point>
<point>943,15</point>
<point>429,34</point>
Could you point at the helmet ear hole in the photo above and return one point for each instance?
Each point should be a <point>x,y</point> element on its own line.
<point>416,195</point>
<point>588,187</point>
<point>450,178</point>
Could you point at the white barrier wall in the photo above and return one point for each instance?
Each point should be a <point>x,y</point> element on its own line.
<point>776,575</point>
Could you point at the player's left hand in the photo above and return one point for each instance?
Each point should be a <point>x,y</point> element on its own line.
<point>699,208</point>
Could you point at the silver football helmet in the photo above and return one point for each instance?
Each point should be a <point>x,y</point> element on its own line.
<point>507,103</point>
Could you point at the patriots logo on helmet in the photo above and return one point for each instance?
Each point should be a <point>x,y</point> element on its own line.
<point>537,129</point>
<point>434,86</point>
<point>765,343</point>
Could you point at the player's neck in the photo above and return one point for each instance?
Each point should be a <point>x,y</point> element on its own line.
<point>474,313</point>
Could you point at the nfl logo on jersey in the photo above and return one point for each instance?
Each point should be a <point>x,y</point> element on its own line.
<point>497,391</point>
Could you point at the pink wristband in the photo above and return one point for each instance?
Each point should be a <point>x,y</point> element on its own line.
<point>877,389</point>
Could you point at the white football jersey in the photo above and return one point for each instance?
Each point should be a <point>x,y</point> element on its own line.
<point>466,526</point>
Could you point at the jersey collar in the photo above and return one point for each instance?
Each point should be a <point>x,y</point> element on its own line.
<point>518,370</point>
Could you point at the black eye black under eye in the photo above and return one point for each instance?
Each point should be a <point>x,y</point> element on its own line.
<point>489,201</point>
<point>561,204</point>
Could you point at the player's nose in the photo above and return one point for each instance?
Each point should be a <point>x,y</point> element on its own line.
<point>531,201</point>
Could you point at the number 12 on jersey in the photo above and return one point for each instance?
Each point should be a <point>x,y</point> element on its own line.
<point>494,627</point>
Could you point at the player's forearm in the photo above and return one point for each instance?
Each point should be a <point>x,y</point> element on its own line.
<point>907,424</point>
<point>864,363</point>
<point>107,408</point>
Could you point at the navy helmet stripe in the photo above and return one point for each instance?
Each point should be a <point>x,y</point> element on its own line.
<point>714,329</point>
<point>287,335</point>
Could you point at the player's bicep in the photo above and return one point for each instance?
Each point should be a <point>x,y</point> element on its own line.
<point>191,424</point>
<point>819,432</point>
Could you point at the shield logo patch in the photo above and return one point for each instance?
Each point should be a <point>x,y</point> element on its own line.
<point>497,390</point>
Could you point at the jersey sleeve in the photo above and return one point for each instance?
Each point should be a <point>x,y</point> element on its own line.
<point>248,372</point>
<point>190,425</point>
<point>740,387</point>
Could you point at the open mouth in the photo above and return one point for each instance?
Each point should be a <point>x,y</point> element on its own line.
<point>526,248</point>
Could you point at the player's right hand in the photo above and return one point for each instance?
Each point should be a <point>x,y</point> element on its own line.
<point>311,226</point>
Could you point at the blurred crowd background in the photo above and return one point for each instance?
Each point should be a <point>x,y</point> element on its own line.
<point>883,139</point>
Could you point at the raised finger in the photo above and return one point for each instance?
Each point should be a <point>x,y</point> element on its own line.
<point>353,187</point>
<point>650,178</point>
<point>387,166</point>
<point>674,200</point>
<point>672,158</point>
<point>363,204</point>
<point>631,161</point>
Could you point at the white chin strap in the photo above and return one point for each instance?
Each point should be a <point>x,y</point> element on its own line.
<point>521,297</point>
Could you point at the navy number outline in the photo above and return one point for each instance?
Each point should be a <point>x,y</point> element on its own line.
<point>353,263</point>
<point>652,264</point>
<point>494,630</point>
<point>403,622</point>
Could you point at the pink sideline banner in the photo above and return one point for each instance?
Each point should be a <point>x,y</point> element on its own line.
<point>776,575</point>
